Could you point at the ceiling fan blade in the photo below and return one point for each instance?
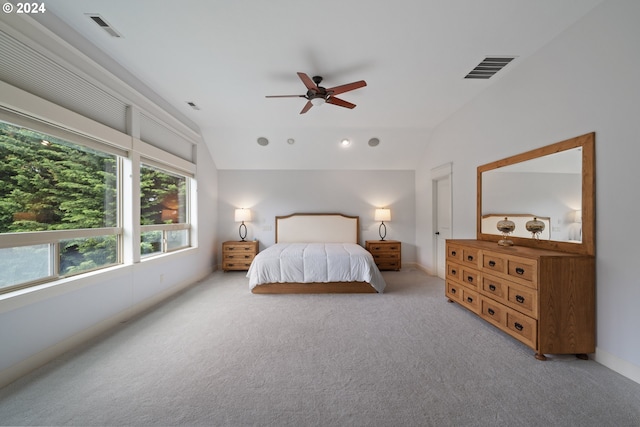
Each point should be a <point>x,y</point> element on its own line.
<point>307,107</point>
<point>284,96</point>
<point>346,88</point>
<point>340,102</point>
<point>307,81</point>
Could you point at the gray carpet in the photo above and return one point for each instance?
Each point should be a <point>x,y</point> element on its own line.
<point>218,355</point>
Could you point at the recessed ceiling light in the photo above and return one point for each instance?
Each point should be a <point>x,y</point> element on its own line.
<point>373,142</point>
<point>263,141</point>
<point>345,142</point>
<point>291,141</point>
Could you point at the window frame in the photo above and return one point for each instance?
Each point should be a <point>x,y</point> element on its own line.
<point>30,112</point>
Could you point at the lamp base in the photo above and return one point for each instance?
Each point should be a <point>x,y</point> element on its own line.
<point>240,231</point>
<point>382,231</point>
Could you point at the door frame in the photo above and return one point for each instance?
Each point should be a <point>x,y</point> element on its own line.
<point>438,173</point>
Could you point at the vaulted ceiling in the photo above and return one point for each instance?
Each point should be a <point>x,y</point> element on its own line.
<point>226,56</point>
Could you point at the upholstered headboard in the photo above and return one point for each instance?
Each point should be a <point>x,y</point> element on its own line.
<point>489,223</point>
<point>317,228</point>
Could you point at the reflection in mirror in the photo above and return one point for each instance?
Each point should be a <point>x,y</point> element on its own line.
<point>548,187</point>
<point>555,182</point>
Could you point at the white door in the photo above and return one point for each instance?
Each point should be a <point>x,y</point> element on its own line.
<point>441,215</point>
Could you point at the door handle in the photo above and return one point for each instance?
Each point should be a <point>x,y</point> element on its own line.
<point>437,233</point>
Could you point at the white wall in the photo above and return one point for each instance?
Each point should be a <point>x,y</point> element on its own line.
<point>271,193</point>
<point>585,80</point>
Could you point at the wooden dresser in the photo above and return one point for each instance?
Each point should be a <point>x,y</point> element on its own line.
<point>238,255</point>
<point>543,298</point>
<point>387,254</point>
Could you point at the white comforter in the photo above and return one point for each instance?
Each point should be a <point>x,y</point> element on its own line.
<point>315,262</point>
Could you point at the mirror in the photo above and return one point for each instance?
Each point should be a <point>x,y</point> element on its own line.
<point>555,184</point>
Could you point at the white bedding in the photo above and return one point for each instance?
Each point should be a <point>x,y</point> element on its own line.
<point>315,262</point>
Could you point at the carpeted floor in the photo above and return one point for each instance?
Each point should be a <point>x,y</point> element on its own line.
<point>218,355</point>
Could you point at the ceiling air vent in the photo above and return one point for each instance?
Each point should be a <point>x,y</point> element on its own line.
<point>488,67</point>
<point>103,24</point>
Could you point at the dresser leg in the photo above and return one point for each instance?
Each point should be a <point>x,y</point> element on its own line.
<point>540,356</point>
<point>582,356</point>
<point>449,300</point>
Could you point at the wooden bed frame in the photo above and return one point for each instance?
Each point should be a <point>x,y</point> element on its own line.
<point>316,228</point>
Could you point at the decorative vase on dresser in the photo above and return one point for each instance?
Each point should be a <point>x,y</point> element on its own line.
<point>238,255</point>
<point>387,254</point>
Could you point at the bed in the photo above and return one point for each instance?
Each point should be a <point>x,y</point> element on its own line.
<point>315,253</point>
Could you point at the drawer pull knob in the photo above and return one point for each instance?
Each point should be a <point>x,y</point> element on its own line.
<point>469,257</point>
<point>492,263</point>
<point>520,270</point>
<point>469,299</point>
<point>453,291</point>
<point>518,326</point>
<point>453,272</point>
<point>492,288</point>
<point>520,298</point>
<point>491,312</point>
<point>453,253</point>
<point>470,279</point>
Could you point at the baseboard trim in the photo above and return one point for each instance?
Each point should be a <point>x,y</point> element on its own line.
<point>618,365</point>
<point>43,357</point>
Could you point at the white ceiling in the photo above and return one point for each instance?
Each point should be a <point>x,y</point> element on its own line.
<point>225,56</point>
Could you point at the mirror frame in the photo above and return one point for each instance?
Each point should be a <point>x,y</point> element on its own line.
<point>587,247</point>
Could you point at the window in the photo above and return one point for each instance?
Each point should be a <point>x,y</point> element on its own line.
<point>58,207</point>
<point>163,210</point>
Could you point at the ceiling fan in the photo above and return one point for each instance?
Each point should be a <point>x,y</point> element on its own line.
<point>318,95</point>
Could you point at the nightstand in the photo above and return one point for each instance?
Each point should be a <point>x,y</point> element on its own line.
<point>387,254</point>
<point>238,255</point>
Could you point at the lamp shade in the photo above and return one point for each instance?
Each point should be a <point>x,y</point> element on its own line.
<point>577,216</point>
<point>383,215</point>
<point>243,215</point>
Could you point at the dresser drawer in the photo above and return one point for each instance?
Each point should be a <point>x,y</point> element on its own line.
<point>454,271</point>
<point>470,277</point>
<point>493,312</point>
<point>383,247</point>
<point>523,299</point>
<point>523,269</point>
<point>493,262</point>
<point>470,256</point>
<point>470,299</point>
<point>454,291</point>
<point>522,327</point>
<point>454,252</point>
<point>236,265</point>
<point>494,287</point>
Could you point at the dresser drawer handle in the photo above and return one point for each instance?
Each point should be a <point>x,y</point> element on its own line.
<point>453,272</point>
<point>453,253</point>
<point>518,326</point>
<point>520,298</point>
<point>492,288</point>
<point>520,270</point>
<point>491,312</point>
<point>469,257</point>
<point>453,290</point>
<point>492,263</point>
<point>469,299</point>
<point>470,279</point>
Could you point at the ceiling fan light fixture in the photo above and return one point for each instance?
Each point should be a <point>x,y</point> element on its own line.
<point>317,101</point>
